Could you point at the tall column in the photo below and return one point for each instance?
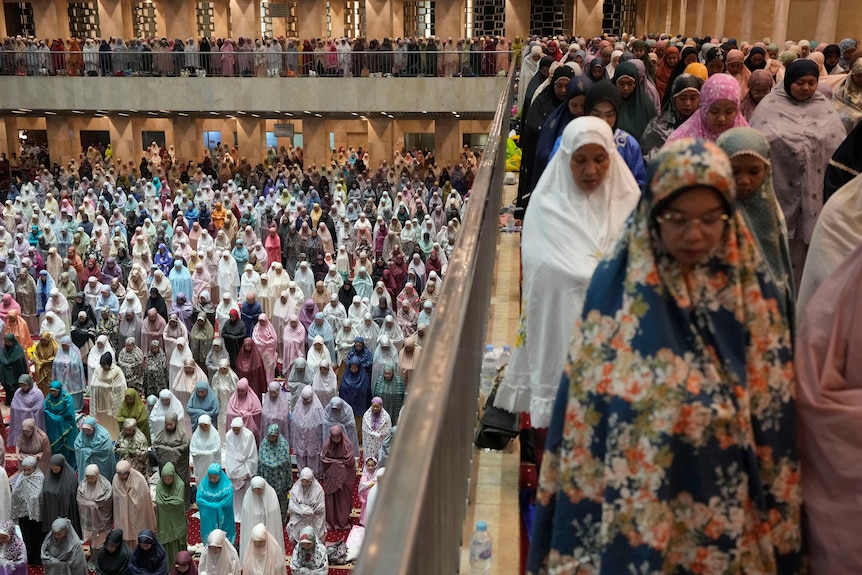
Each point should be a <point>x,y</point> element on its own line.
<point>827,18</point>
<point>179,19</point>
<point>698,27</point>
<point>111,17</point>
<point>10,134</point>
<point>122,138</point>
<point>745,28</point>
<point>312,15</point>
<point>188,137</point>
<point>379,17</point>
<point>779,21</point>
<point>447,140</point>
<point>61,138</point>
<point>251,138</point>
<point>683,10</point>
<point>720,15</point>
<point>380,140</point>
<point>244,19</point>
<point>315,141</point>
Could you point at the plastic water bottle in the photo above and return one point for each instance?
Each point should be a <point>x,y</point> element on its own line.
<point>480,550</point>
<point>504,358</point>
<point>489,370</point>
<point>510,219</point>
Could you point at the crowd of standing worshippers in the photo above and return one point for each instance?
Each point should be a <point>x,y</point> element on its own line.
<point>268,56</point>
<point>234,328</point>
<point>691,261</point>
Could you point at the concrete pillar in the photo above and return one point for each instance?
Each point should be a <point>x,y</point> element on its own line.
<point>251,138</point>
<point>177,19</point>
<point>188,137</point>
<point>447,140</point>
<point>111,17</point>
<point>745,28</point>
<point>10,135</point>
<point>244,19</point>
<point>720,15</point>
<point>381,137</point>
<point>827,19</point>
<point>122,137</point>
<point>51,19</point>
<point>683,9</point>
<point>315,141</point>
<point>779,21</point>
<point>698,26</point>
<point>62,139</point>
<point>517,19</point>
<point>312,17</point>
<point>449,19</point>
<point>379,17</point>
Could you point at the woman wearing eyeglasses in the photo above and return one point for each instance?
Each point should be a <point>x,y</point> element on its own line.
<point>672,444</point>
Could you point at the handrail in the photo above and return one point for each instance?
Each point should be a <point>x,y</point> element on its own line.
<point>132,62</point>
<point>417,525</point>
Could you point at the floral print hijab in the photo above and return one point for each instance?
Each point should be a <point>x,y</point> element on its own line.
<point>672,442</point>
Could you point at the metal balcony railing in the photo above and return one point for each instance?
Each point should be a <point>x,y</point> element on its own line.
<point>128,63</point>
<point>416,526</point>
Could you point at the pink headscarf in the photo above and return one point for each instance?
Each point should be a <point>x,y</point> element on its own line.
<point>717,87</point>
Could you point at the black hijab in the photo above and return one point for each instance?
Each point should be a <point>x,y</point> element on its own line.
<point>59,494</point>
<point>346,293</point>
<point>116,563</point>
<point>157,301</point>
<point>154,560</point>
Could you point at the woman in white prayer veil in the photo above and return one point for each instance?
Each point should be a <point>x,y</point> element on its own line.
<point>167,403</point>
<point>384,354</point>
<point>368,330</point>
<point>223,309</point>
<point>223,383</point>
<point>393,331</point>
<point>219,557</point>
<point>260,505</point>
<point>240,461</point>
<point>102,346</point>
<point>133,304</point>
<point>177,359</point>
<point>317,354</point>
<point>279,279</point>
<point>283,307</point>
<point>588,206</point>
<point>205,447</point>
<point>333,281</point>
<point>304,278</point>
<point>294,291</point>
<point>228,276</point>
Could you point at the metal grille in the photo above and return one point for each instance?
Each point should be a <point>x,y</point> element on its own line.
<point>551,17</point>
<point>419,18</point>
<point>145,19</point>
<point>84,20</point>
<point>328,18</point>
<point>205,17</point>
<point>25,19</point>
<point>489,18</point>
<point>355,23</point>
<point>618,16</point>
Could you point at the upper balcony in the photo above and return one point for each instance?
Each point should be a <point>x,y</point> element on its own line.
<point>210,85</point>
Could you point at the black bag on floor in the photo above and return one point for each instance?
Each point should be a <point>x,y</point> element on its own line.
<point>497,427</point>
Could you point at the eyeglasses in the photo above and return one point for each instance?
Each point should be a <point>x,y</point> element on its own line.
<point>674,221</point>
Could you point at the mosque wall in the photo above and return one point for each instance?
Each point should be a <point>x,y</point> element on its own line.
<point>380,136</point>
<point>777,20</point>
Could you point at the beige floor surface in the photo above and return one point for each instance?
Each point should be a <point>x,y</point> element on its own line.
<point>494,493</point>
